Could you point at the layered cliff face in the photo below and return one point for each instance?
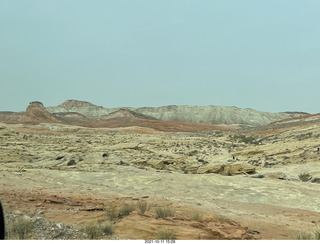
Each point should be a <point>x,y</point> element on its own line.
<point>196,114</point>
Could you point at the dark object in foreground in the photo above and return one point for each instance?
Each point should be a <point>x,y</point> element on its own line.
<point>1,223</point>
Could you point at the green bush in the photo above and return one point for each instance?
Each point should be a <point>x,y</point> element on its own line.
<point>305,177</point>
<point>164,212</point>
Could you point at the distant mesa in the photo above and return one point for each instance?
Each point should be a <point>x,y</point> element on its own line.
<point>76,104</point>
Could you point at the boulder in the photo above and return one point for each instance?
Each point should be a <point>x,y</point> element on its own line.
<point>227,169</point>
<point>211,168</point>
<point>157,164</point>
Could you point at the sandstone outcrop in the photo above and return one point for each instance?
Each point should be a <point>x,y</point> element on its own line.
<point>227,169</point>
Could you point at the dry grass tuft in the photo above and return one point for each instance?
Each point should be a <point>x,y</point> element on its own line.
<point>112,213</point>
<point>20,229</point>
<point>166,235</point>
<point>197,216</point>
<point>142,206</point>
<point>126,209</point>
<point>93,230</point>
<point>164,212</point>
<point>107,228</point>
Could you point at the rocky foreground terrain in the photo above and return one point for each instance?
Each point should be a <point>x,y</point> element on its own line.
<point>66,181</point>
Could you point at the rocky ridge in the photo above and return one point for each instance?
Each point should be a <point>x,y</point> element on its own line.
<point>197,114</point>
<point>36,113</point>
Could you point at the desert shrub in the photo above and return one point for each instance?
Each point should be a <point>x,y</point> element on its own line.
<point>246,140</point>
<point>142,206</point>
<point>112,213</point>
<point>107,228</point>
<point>20,228</point>
<point>197,216</point>
<point>305,177</point>
<point>315,180</point>
<point>305,236</point>
<point>164,212</point>
<point>126,209</point>
<point>71,162</point>
<point>193,153</point>
<point>93,230</point>
<point>223,219</point>
<point>166,235</point>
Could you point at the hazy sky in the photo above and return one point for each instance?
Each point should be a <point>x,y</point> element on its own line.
<point>260,54</point>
